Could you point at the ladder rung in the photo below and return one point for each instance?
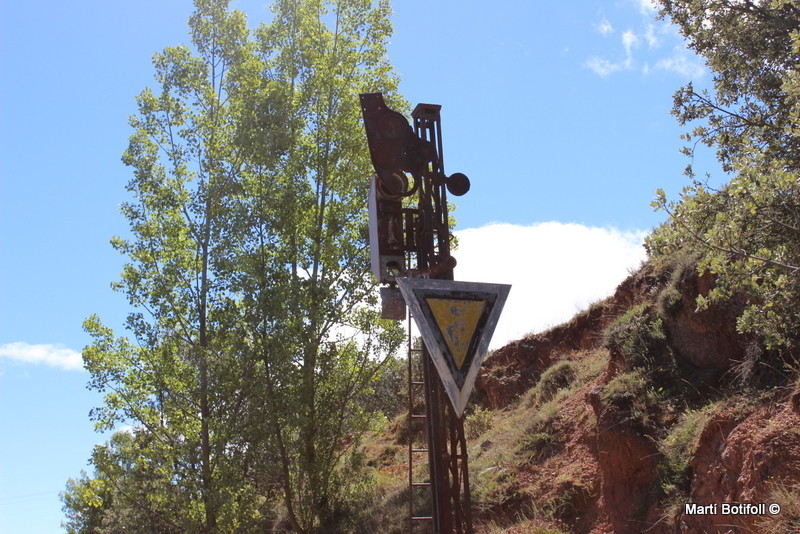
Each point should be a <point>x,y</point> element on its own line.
<point>422,518</point>
<point>420,484</point>
<point>419,450</point>
<point>416,383</point>
<point>418,416</point>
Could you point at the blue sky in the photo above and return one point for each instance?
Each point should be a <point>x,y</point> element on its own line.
<point>557,111</point>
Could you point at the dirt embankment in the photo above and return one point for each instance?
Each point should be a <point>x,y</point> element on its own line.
<point>686,416</point>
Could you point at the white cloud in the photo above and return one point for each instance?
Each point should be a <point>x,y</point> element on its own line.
<point>629,41</point>
<point>555,269</point>
<point>682,62</point>
<point>657,36</point>
<point>52,355</point>
<point>650,36</point>
<point>604,27</point>
<point>602,66</point>
<point>647,7</point>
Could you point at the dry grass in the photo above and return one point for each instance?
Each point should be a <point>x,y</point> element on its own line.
<point>787,496</point>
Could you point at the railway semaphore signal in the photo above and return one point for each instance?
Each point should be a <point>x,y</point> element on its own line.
<point>410,249</point>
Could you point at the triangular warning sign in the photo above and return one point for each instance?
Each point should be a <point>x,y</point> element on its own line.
<point>456,320</point>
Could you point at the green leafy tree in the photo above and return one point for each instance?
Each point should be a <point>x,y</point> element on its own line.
<point>182,381</point>
<point>119,498</point>
<point>255,329</point>
<point>315,246</point>
<point>750,46</point>
<point>748,231</point>
<point>85,501</point>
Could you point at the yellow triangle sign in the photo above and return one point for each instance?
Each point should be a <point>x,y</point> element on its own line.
<point>457,321</point>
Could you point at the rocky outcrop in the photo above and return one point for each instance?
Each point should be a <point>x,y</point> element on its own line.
<point>743,461</point>
<point>627,459</point>
<point>707,339</point>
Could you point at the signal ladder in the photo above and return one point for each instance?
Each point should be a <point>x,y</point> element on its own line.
<point>416,391</point>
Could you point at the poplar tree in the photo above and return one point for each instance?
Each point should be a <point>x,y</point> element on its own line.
<point>254,335</point>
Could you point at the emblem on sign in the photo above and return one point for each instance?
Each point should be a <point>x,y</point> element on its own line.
<point>456,320</point>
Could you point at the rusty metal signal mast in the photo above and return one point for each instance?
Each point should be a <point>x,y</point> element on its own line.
<point>409,162</point>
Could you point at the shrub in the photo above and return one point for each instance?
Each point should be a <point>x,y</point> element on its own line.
<point>539,445</point>
<point>668,301</point>
<point>542,439</point>
<point>638,337</point>
<point>633,391</point>
<point>390,388</point>
<point>557,377</point>
<point>678,447</point>
<point>624,387</point>
<point>478,422</point>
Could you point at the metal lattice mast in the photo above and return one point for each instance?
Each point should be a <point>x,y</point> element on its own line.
<point>423,233</point>
<point>446,438</point>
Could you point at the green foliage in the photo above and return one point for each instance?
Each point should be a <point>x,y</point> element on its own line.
<point>541,438</point>
<point>671,271</point>
<point>634,392</point>
<point>390,388</point>
<point>525,526</point>
<point>678,448</point>
<point>494,466</point>
<point>747,232</point>
<point>638,337</point>
<point>256,334</point>
<point>495,487</point>
<point>625,387</point>
<point>540,444</point>
<point>557,377</point>
<point>478,421</point>
<point>752,50</point>
<point>131,474</point>
<point>669,301</point>
<point>571,498</point>
<point>562,378</point>
<point>85,501</point>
